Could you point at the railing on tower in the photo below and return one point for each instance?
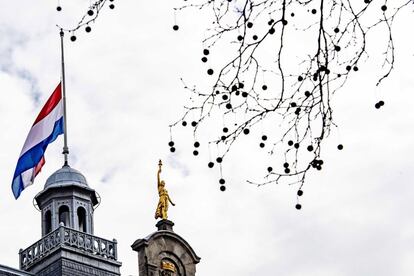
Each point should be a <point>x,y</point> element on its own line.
<point>64,236</point>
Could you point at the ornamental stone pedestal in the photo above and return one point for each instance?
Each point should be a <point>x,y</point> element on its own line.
<point>164,253</point>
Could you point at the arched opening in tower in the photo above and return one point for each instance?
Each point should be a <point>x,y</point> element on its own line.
<point>48,222</point>
<point>64,215</point>
<point>82,219</point>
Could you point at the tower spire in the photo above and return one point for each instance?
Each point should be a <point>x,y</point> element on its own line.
<point>65,125</point>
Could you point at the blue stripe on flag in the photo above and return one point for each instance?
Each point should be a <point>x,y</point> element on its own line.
<point>32,157</point>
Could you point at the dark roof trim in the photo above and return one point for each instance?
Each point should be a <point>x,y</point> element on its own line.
<point>14,271</point>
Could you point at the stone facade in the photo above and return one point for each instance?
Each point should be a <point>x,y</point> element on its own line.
<point>65,267</point>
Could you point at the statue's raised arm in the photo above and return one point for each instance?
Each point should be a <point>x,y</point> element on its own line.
<point>159,173</point>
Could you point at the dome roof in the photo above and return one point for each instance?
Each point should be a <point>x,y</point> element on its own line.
<point>66,176</point>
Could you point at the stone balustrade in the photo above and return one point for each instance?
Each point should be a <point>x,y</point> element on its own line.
<point>64,236</point>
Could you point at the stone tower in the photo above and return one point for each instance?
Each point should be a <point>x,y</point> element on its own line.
<point>68,245</point>
<point>165,253</point>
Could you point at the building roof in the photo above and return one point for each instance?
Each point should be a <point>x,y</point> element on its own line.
<point>5,270</point>
<point>66,176</point>
<point>65,179</point>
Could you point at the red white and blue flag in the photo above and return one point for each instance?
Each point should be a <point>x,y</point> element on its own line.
<point>46,128</point>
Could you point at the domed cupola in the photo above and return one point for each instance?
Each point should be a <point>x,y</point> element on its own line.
<point>68,199</point>
<point>66,176</point>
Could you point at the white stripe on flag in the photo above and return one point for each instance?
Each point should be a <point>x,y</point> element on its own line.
<point>27,177</point>
<point>43,129</point>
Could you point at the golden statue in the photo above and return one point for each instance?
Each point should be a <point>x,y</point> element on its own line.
<point>162,207</point>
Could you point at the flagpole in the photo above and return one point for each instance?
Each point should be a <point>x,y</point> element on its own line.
<point>65,132</point>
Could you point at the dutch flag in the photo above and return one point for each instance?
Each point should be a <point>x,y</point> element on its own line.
<point>46,128</point>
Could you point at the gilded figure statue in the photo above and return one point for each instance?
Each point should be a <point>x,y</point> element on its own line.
<point>162,207</point>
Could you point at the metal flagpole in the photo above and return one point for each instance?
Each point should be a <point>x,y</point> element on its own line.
<point>65,128</point>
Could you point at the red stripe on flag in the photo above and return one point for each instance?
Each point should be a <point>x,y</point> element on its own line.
<point>39,166</point>
<point>50,104</point>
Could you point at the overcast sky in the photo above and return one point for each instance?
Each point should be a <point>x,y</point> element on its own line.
<point>124,89</point>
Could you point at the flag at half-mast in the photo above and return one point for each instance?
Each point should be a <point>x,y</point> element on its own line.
<point>46,128</point>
